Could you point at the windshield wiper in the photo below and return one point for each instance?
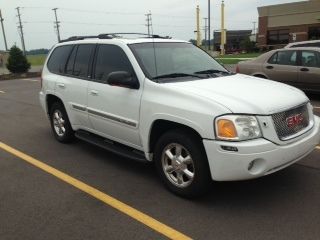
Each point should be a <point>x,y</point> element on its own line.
<point>210,71</point>
<point>177,75</point>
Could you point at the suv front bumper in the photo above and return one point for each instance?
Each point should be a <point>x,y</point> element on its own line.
<point>256,158</point>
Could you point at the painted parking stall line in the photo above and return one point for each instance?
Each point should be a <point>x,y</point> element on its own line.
<point>318,147</point>
<point>116,204</point>
<point>2,92</point>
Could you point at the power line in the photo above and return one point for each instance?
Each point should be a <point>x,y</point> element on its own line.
<point>3,32</point>
<point>20,28</point>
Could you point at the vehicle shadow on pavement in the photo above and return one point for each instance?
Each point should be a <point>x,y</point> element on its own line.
<point>278,187</point>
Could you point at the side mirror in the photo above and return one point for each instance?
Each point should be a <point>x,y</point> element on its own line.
<point>122,79</point>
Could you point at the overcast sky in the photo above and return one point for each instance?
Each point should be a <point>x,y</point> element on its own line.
<point>175,18</point>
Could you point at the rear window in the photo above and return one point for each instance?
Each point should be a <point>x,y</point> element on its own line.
<point>58,59</point>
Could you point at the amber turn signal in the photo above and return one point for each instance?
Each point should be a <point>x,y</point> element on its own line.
<point>226,129</point>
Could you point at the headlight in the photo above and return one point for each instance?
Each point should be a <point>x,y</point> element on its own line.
<point>237,127</point>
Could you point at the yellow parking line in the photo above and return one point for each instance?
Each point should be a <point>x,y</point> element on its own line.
<point>122,207</point>
<point>2,92</point>
<point>318,147</point>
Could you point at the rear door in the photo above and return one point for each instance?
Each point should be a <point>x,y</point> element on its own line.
<point>309,70</point>
<point>282,67</point>
<point>72,86</point>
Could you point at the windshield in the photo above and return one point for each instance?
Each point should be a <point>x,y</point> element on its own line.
<point>175,60</point>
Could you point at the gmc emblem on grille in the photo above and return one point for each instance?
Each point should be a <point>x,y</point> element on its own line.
<point>294,120</point>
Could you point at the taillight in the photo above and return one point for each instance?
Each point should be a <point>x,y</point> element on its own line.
<point>237,69</point>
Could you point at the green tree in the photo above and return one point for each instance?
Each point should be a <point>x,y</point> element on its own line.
<point>247,45</point>
<point>17,62</point>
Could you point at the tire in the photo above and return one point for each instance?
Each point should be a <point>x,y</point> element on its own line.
<point>188,174</point>
<point>60,123</point>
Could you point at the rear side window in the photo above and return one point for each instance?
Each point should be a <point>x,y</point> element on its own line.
<point>70,64</point>
<point>82,60</point>
<point>58,59</point>
<point>111,58</point>
<point>284,58</point>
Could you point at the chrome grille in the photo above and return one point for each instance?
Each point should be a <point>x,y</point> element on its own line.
<point>280,121</point>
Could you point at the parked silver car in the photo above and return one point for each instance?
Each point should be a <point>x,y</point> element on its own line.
<point>299,67</point>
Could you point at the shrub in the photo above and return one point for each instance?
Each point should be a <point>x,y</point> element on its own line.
<point>17,62</point>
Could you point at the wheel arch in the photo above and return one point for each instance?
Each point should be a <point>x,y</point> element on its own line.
<point>160,126</point>
<point>50,99</point>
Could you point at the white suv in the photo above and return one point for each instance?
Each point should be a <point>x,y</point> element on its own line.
<point>167,101</point>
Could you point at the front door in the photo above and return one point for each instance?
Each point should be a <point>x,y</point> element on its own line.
<point>282,67</point>
<point>114,110</point>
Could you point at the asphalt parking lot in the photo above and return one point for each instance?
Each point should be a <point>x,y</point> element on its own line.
<point>36,204</point>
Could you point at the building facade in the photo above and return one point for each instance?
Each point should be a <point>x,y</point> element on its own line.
<point>291,22</point>
<point>234,38</point>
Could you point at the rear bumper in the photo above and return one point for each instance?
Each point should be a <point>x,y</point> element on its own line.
<point>258,157</point>
<point>42,99</point>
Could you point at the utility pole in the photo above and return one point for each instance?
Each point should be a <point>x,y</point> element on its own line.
<point>205,30</point>
<point>223,31</point>
<point>21,31</point>
<point>57,24</point>
<point>198,27</point>
<point>254,28</point>
<point>4,34</point>
<point>209,26</point>
<point>149,22</point>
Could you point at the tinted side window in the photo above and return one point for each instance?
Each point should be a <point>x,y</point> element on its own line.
<point>310,59</point>
<point>70,63</point>
<point>111,58</point>
<point>284,58</point>
<point>58,59</point>
<point>81,65</point>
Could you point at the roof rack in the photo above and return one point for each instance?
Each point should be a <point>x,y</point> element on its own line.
<point>113,35</point>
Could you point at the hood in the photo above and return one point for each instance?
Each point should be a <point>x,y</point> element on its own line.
<point>245,94</point>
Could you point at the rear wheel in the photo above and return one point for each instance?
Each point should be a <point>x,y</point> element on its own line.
<point>60,124</point>
<point>182,163</point>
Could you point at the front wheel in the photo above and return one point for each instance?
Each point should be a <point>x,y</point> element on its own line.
<point>182,163</point>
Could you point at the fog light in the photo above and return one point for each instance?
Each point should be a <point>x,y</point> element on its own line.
<point>251,164</point>
<point>257,166</point>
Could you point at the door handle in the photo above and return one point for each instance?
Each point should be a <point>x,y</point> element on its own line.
<point>94,92</point>
<point>304,69</point>
<point>269,67</point>
<point>61,85</point>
